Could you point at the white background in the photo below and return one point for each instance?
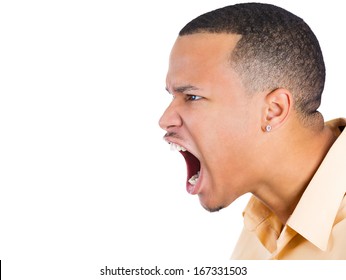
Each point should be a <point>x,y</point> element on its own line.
<point>85,177</point>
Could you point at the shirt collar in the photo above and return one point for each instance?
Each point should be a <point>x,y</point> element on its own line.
<point>259,219</point>
<point>314,216</point>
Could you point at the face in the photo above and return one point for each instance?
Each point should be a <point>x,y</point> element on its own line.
<point>211,120</point>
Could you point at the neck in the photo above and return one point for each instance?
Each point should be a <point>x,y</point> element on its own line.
<point>292,167</point>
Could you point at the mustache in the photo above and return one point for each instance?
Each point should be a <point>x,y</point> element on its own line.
<point>172,134</point>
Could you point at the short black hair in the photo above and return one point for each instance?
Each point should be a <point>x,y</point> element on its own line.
<point>277,49</point>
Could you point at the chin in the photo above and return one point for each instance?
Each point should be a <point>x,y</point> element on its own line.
<point>213,209</point>
<point>211,206</point>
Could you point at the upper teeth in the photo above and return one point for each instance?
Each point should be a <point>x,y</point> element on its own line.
<point>176,147</point>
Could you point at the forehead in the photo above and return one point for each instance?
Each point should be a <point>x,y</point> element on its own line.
<point>200,58</point>
<point>200,54</point>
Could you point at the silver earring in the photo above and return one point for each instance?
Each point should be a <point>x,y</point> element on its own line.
<point>268,128</point>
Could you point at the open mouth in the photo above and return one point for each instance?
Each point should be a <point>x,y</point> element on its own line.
<point>193,168</point>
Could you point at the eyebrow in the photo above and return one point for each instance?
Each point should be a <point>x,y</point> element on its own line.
<point>183,89</point>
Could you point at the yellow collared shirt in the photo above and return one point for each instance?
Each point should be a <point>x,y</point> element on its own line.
<point>316,230</point>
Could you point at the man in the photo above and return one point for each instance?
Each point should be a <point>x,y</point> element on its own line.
<point>246,82</point>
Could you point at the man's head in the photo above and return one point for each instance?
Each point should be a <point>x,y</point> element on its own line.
<point>276,49</point>
<point>232,72</point>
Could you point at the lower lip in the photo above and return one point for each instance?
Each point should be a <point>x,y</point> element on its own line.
<point>194,189</point>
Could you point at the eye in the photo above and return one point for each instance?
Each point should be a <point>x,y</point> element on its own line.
<point>191,97</point>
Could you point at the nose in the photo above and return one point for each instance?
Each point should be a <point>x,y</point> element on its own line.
<point>170,118</point>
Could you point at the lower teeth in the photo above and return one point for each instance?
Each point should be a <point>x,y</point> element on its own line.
<point>193,180</point>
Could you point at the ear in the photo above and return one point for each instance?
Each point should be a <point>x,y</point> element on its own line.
<point>278,104</point>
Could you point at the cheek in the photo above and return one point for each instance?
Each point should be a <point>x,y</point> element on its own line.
<point>222,132</point>
<point>228,144</point>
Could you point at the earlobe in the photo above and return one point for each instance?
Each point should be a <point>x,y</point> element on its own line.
<point>277,107</point>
